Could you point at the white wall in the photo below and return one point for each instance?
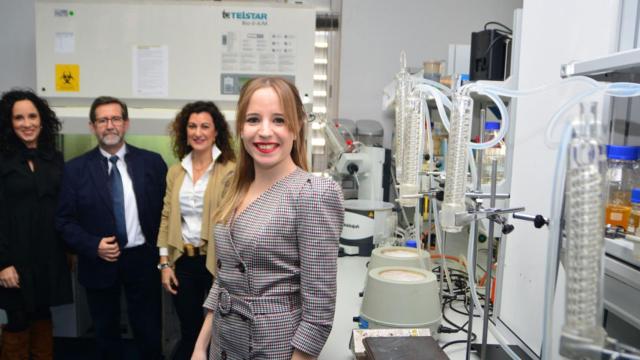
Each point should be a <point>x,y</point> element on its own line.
<point>553,33</point>
<point>375,31</point>
<point>17,44</point>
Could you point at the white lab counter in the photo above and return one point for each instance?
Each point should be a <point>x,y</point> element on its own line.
<point>351,276</point>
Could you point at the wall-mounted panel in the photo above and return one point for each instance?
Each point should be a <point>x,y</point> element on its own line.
<point>168,51</point>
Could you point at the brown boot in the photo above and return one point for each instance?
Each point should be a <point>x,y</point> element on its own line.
<point>15,345</point>
<point>41,340</point>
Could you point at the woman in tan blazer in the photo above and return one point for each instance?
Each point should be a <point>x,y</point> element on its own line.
<point>194,189</point>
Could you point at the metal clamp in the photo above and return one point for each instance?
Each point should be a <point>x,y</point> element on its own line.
<point>464,218</point>
<point>538,220</point>
<point>481,195</point>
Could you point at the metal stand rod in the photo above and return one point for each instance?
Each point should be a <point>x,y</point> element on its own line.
<point>475,230</point>
<point>487,288</point>
<point>472,307</point>
<point>442,260</point>
<point>429,218</point>
<point>479,195</point>
<point>521,216</point>
<point>417,226</point>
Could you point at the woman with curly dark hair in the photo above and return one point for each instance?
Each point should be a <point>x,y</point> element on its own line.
<point>33,271</point>
<point>195,187</point>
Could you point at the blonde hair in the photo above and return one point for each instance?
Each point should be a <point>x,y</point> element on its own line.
<point>295,120</point>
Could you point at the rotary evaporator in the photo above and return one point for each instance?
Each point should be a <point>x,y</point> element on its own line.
<point>357,160</point>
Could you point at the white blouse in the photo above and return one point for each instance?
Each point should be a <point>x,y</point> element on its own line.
<point>192,200</point>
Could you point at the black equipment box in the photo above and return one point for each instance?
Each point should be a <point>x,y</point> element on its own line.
<point>490,55</point>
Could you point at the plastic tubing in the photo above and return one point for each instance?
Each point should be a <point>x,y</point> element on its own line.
<point>473,169</point>
<point>623,89</point>
<point>472,277</point>
<point>427,119</point>
<point>447,91</point>
<point>441,100</point>
<point>504,125</point>
<point>440,246</point>
<point>553,243</point>
<point>493,92</point>
<point>517,93</point>
<point>568,105</point>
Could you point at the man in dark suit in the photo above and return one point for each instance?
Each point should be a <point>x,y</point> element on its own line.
<point>109,213</point>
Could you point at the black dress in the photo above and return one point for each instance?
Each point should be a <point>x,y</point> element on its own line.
<point>28,240</point>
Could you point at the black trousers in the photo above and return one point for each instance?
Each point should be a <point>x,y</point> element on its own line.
<point>194,284</point>
<point>138,276</point>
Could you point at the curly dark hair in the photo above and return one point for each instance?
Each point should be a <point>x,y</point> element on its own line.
<point>9,141</point>
<point>178,130</point>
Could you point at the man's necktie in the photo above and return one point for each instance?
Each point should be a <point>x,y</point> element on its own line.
<point>117,195</point>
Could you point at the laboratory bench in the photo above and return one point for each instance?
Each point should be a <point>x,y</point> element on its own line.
<point>351,276</point>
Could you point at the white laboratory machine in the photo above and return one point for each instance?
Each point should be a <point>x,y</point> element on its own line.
<point>366,224</point>
<point>366,167</point>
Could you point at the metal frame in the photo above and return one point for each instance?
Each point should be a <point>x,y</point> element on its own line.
<point>517,25</point>
<point>620,66</point>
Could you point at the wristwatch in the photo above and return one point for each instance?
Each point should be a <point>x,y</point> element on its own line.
<point>163,266</point>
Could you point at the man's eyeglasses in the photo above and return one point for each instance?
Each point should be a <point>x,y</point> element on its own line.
<point>115,120</point>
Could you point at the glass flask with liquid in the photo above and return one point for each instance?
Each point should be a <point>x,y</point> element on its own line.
<point>634,218</point>
<point>636,170</point>
<point>498,152</point>
<point>620,171</point>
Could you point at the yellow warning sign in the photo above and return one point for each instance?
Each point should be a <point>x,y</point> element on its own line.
<point>68,77</point>
<point>370,214</point>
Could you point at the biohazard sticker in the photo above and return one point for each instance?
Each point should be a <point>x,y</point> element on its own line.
<point>68,77</point>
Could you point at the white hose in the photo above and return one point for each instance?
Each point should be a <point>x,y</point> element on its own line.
<point>517,93</point>
<point>472,276</point>
<point>473,169</point>
<point>612,89</point>
<point>446,90</point>
<point>430,149</point>
<point>443,100</point>
<point>494,93</point>
<point>623,89</point>
<point>504,124</point>
<point>555,228</point>
<point>440,247</point>
<point>569,104</point>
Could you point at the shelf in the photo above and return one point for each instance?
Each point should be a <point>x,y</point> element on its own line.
<point>621,249</point>
<point>616,67</point>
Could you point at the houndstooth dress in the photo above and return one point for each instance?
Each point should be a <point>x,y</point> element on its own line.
<point>276,284</point>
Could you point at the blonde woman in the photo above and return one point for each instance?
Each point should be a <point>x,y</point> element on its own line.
<point>276,239</point>
<point>194,189</point>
